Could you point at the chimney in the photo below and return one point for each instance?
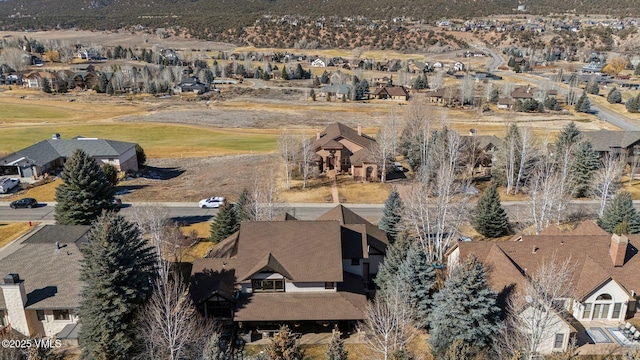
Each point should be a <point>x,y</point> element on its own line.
<point>318,135</point>
<point>359,129</point>
<point>618,249</point>
<point>472,132</point>
<point>534,250</point>
<point>57,245</point>
<point>15,297</point>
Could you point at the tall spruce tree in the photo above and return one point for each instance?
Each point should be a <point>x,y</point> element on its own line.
<point>583,167</point>
<point>391,216</point>
<point>490,219</point>
<point>583,105</point>
<point>244,208</point>
<point>464,309</point>
<point>388,270</point>
<point>118,271</point>
<point>335,348</point>
<point>419,277</point>
<point>224,223</point>
<point>84,193</point>
<point>620,210</point>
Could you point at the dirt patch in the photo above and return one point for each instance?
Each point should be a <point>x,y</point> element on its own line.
<point>192,179</point>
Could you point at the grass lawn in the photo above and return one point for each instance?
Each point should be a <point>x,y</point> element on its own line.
<point>11,231</point>
<point>362,193</point>
<point>158,140</point>
<point>317,190</point>
<point>197,251</point>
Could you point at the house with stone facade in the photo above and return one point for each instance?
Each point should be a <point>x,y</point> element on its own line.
<point>342,149</point>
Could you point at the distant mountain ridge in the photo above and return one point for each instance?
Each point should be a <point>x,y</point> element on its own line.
<point>206,17</point>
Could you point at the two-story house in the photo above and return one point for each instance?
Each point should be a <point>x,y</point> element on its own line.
<point>303,273</point>
<point>605,274</point>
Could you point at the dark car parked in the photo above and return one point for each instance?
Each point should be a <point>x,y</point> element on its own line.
<point>24,203</point>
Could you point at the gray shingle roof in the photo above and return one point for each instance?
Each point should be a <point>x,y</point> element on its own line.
<point>47,151</point>
<point>604,140</point>
<point>51,275</point>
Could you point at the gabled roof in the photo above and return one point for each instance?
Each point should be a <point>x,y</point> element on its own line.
<point>293,244</point>
<point>268,264</point>
<point>51,275</point>
<point>336,131</point>
<point>604,140</point>
<point>391,91</point>
<point>212,277</point>
<point>375,237</point>
<point>47,151</point>
<point>586,247</point>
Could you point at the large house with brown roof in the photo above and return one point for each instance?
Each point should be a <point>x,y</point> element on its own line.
<point>343,149</point>
<point>311,273</point>
<point>605,274</point>
<point>615,143</point>
<point>40,288</point>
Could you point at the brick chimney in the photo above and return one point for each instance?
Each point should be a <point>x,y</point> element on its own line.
<point>359,129</point>
<point>15,298</point>
<point>618,249</point>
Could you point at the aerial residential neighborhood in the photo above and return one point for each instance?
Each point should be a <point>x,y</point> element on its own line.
<point>272,181</point>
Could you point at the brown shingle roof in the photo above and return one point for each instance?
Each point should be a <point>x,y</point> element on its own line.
<point>336,131</point>
<point>300,306</point>
<point>375,237</point>
<point>293,243</point>
<point>587,252</point>
<point>212,276</point>
<point>604,140</point>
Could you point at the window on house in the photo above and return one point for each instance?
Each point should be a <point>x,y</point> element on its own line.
<point>355,261</point>
<point>558,343</point>
<point>328,285</point>
<point>604,297</point>
<point>267,285</point>
<point>61,315</point>
<point>617,307</point>
<point>40,315</point>
<point>587,311</point>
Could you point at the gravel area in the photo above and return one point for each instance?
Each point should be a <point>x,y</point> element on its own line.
<point>192,179</point>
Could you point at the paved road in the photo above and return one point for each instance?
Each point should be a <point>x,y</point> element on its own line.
<point>190,213</point>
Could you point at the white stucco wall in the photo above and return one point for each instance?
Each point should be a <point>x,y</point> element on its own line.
<point>553,325</point>
<point>618,295</point>
<point>52,327</point>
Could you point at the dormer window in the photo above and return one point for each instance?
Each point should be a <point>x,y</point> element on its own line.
<point>275,285</point>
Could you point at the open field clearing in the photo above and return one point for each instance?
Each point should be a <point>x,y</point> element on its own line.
<point>158,140</point>
<point>11,231</point>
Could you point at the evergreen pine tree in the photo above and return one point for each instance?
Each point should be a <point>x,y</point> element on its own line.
<point>84,193</point>
<point>285,73</point>
<point>464,309</point>
<point>388,270</point>
<point>512,62</point>
<point>244,208</point>
<point>636,71</point>
<point>419,277</point>
<point>568,138</point>
<point>284,346</point>
<point>111,172</point>
<point>46,87</point>
<point>224,223</point>
<point>391,216</point>
<point>614,96</point>
<point>117,270</point>
<point>141,157</point>
<point>101,85</point>
<point>494,96</point>
<point>633,104</point>
<point>490,219</point>
<point>583,104</point>
<point>312,94</point>
<point>110,90</point>
<point>335,349</point>
<point>620,209</point>
<point>586,162</point>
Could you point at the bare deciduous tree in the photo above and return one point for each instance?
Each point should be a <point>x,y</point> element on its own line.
<point>383,152</point>
<point>15,58</point>
<point>438,203</point>
<point>287,150</point>
<point>535,311</point>
<point>606,180</point>
<point>307,154</point>
<point>546,194</point>
<point>388,324</point>
<point>265,200</point>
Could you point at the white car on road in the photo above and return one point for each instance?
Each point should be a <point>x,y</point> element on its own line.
<point>212,202</point>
